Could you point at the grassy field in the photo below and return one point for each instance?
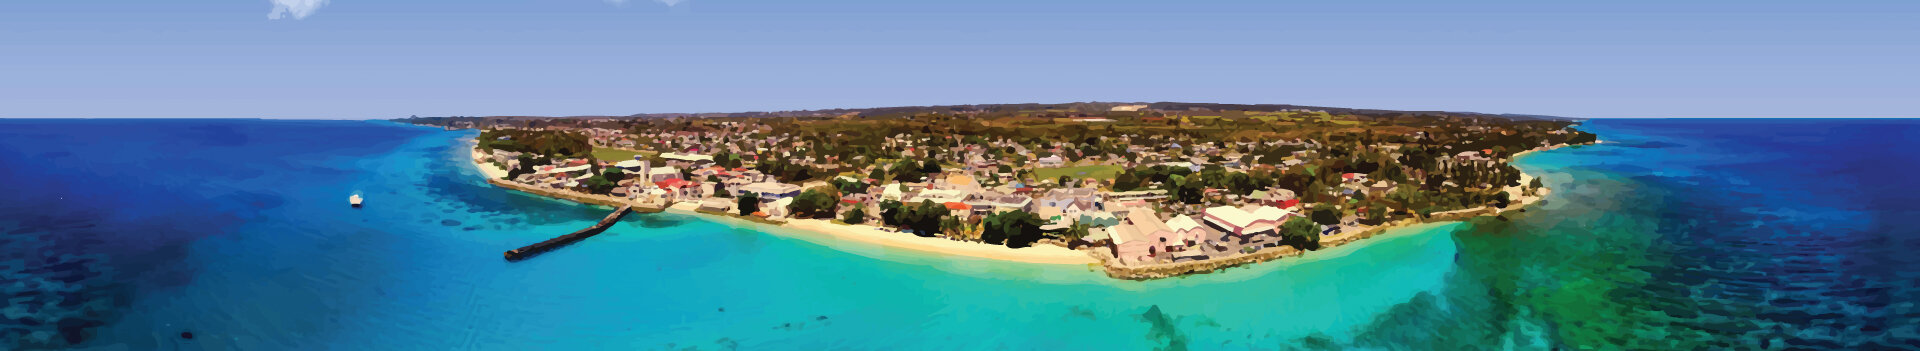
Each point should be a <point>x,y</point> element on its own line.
<point>1080,172</point>
<point>615,155</point>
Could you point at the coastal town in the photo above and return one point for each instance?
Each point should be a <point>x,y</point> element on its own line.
<point>1141,190</point>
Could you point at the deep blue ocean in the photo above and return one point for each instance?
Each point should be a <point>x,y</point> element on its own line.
<point>1672,234</point>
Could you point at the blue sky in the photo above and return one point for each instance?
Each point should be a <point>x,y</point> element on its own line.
<point>358,59</point>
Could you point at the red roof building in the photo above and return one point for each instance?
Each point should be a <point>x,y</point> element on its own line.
<point>675,183</point>
<point>1289,203</point>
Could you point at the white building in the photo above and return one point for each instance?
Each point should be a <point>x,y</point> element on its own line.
<point>1243,223</point>
<point>687,160</point>
<point>663,173</point>
<point>942,195</point>
<point>1051,161</point>
<point>772,191</point>
<point>1186,229</point>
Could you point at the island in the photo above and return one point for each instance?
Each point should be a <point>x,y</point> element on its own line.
<point>1137,190</point>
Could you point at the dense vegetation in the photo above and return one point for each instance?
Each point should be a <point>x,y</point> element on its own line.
<point>748,203</point>
<point>816,202</point>
<point>539,142</point>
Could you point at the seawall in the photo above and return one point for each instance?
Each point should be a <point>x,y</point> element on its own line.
<point>575,196</point>
<point>1164,270</point>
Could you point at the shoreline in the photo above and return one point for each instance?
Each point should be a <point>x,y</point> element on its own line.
<point>1038,254</point>
<point>820,229</point>
<point>1177,269</point>
<point>488,169</point>
<point>1169,270</point>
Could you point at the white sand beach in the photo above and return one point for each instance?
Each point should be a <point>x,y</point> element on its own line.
<point>1517,193</point>
<point>493,172</point>
<point>1044,254</point>
<point>817,229</point>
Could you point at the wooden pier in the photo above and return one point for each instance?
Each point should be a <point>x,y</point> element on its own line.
<point>544,246</point>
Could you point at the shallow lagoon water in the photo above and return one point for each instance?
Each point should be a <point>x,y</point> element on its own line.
<point>1673,235</point>
<point>419,267</point>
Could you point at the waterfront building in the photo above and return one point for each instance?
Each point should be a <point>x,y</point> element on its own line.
<point>1243,223</point>
<point>769,192</point>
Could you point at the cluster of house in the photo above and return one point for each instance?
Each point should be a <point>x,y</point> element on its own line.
<point>1140,235</point>
<point>1123,223</point>
<point>982,159</point>
<point>684,177</point>
<point>1126,224</point>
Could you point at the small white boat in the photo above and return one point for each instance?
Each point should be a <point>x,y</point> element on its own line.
<point>355,200</point>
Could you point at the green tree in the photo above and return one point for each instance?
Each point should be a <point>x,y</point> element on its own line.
<point>608,179</point>
<point>1016,229</point>
<point>727,159</point>
<point>907,171</point>
<point>817,202</point>
<point>892,212</point>
<point>1376,213</point>
<point>1301,233</point>
<point>537,142</point>
<point>924,218</point>
<point>1126,181</point>
<point>856,215</point>
<point>748,203</point>
<point>1186,189</point>
<point>949,224</point>
<point>848,186</point>
<point>1192,191</point>
<point>526,165</point>
<point>1240,183</point>
<point>1325,214</point>
<point>1076,231</point>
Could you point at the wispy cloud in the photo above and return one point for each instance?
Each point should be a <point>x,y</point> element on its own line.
<point>299,9</point>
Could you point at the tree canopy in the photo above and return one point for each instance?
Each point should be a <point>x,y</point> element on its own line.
<point>608,179</point>
<point>856,215</point>
<point>816,202</point>
<point>749,203</point>
<point>537,142</point>
<point>906,171</point>
<point>922,219</point>
<point>1325,214</point>
<point>1016,229</point>
<point>1301,233</point>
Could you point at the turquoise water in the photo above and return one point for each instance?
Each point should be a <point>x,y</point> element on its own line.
<point>419,268</point>
<point>1675,234</point>
<point>1692,235</point>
